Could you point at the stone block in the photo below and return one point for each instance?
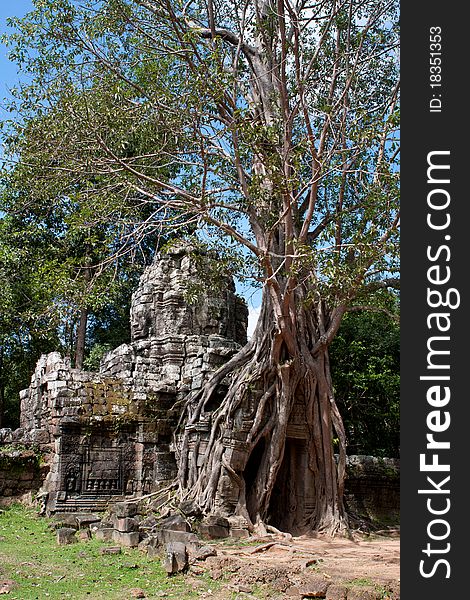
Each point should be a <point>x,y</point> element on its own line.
<point>130,540</point>
<point>85,520</point>
<point>176,558</point>
<point>238,534</point>
<point>126,524</point>
<point>66,535</point>
<point>62,520</point>
<point>197,383</point>
<point>125,509</point>
<point>316,587</point>
<point>214,527</point>
<point>153,550</point>
<point>213,532</point>
<point>204,552</point>
<point>175,523</point>
<point>104,534</point>
<point>337,592</point>
<point>190,540</point>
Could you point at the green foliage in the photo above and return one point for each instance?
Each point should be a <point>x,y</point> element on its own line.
<point>365,360</point>
<point>27,325</point>
<point>16,459</point>
<point>97,351</point>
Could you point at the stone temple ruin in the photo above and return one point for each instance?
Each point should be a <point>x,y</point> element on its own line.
<point>108,435</point>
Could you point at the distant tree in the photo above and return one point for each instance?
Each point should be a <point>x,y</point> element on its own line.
<point>365,365</point>
<point>269,124</point>
<point>25,313</point>
<point>44,194</point>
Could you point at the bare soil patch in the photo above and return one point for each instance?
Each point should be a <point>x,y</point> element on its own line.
<point>366,567</point>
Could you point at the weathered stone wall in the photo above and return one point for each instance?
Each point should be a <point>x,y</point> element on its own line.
<point>372,488</point>
<point>21,471</point>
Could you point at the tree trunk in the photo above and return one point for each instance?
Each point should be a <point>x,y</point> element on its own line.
<point>82,325</point>
<point>266,451</point>
<point>81,337</point>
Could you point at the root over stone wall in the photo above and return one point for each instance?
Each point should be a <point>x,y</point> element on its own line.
<point>108,435</point>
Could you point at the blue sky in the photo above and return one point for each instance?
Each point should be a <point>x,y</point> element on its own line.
<point>9,8</point>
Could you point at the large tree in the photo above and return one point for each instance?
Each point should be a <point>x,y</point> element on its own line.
<point>269,124</point>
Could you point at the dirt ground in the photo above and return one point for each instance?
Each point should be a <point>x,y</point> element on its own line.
<point>364,567</point>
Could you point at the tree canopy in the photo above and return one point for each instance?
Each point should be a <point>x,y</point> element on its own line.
<point>135,103</point>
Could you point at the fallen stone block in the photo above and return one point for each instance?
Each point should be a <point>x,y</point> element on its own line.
<point>64,520</point>
<point>126,524</point>
<point>66,535</point>
<point>104,534</point>
<point>190,540</point>
<point>130,539</point>
<point>213,532</point>
<point>176,558</point>
<point>174,523</point>
<point>214,527</point>
<point>155,543</point>
<point>153,551</point>
<point>86,520</point>
<point>84,535</point>
<point>337,592</point>
<point>125,509</point>
<point>205,552</point>
<point>238,534</point>
<point>316,587</point>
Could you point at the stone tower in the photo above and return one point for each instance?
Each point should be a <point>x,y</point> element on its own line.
<point>109,434</point>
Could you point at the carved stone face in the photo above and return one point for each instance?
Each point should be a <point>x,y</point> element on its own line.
<point>141,320</point>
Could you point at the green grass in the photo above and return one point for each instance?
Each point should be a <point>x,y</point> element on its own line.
<point>30,556</point>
